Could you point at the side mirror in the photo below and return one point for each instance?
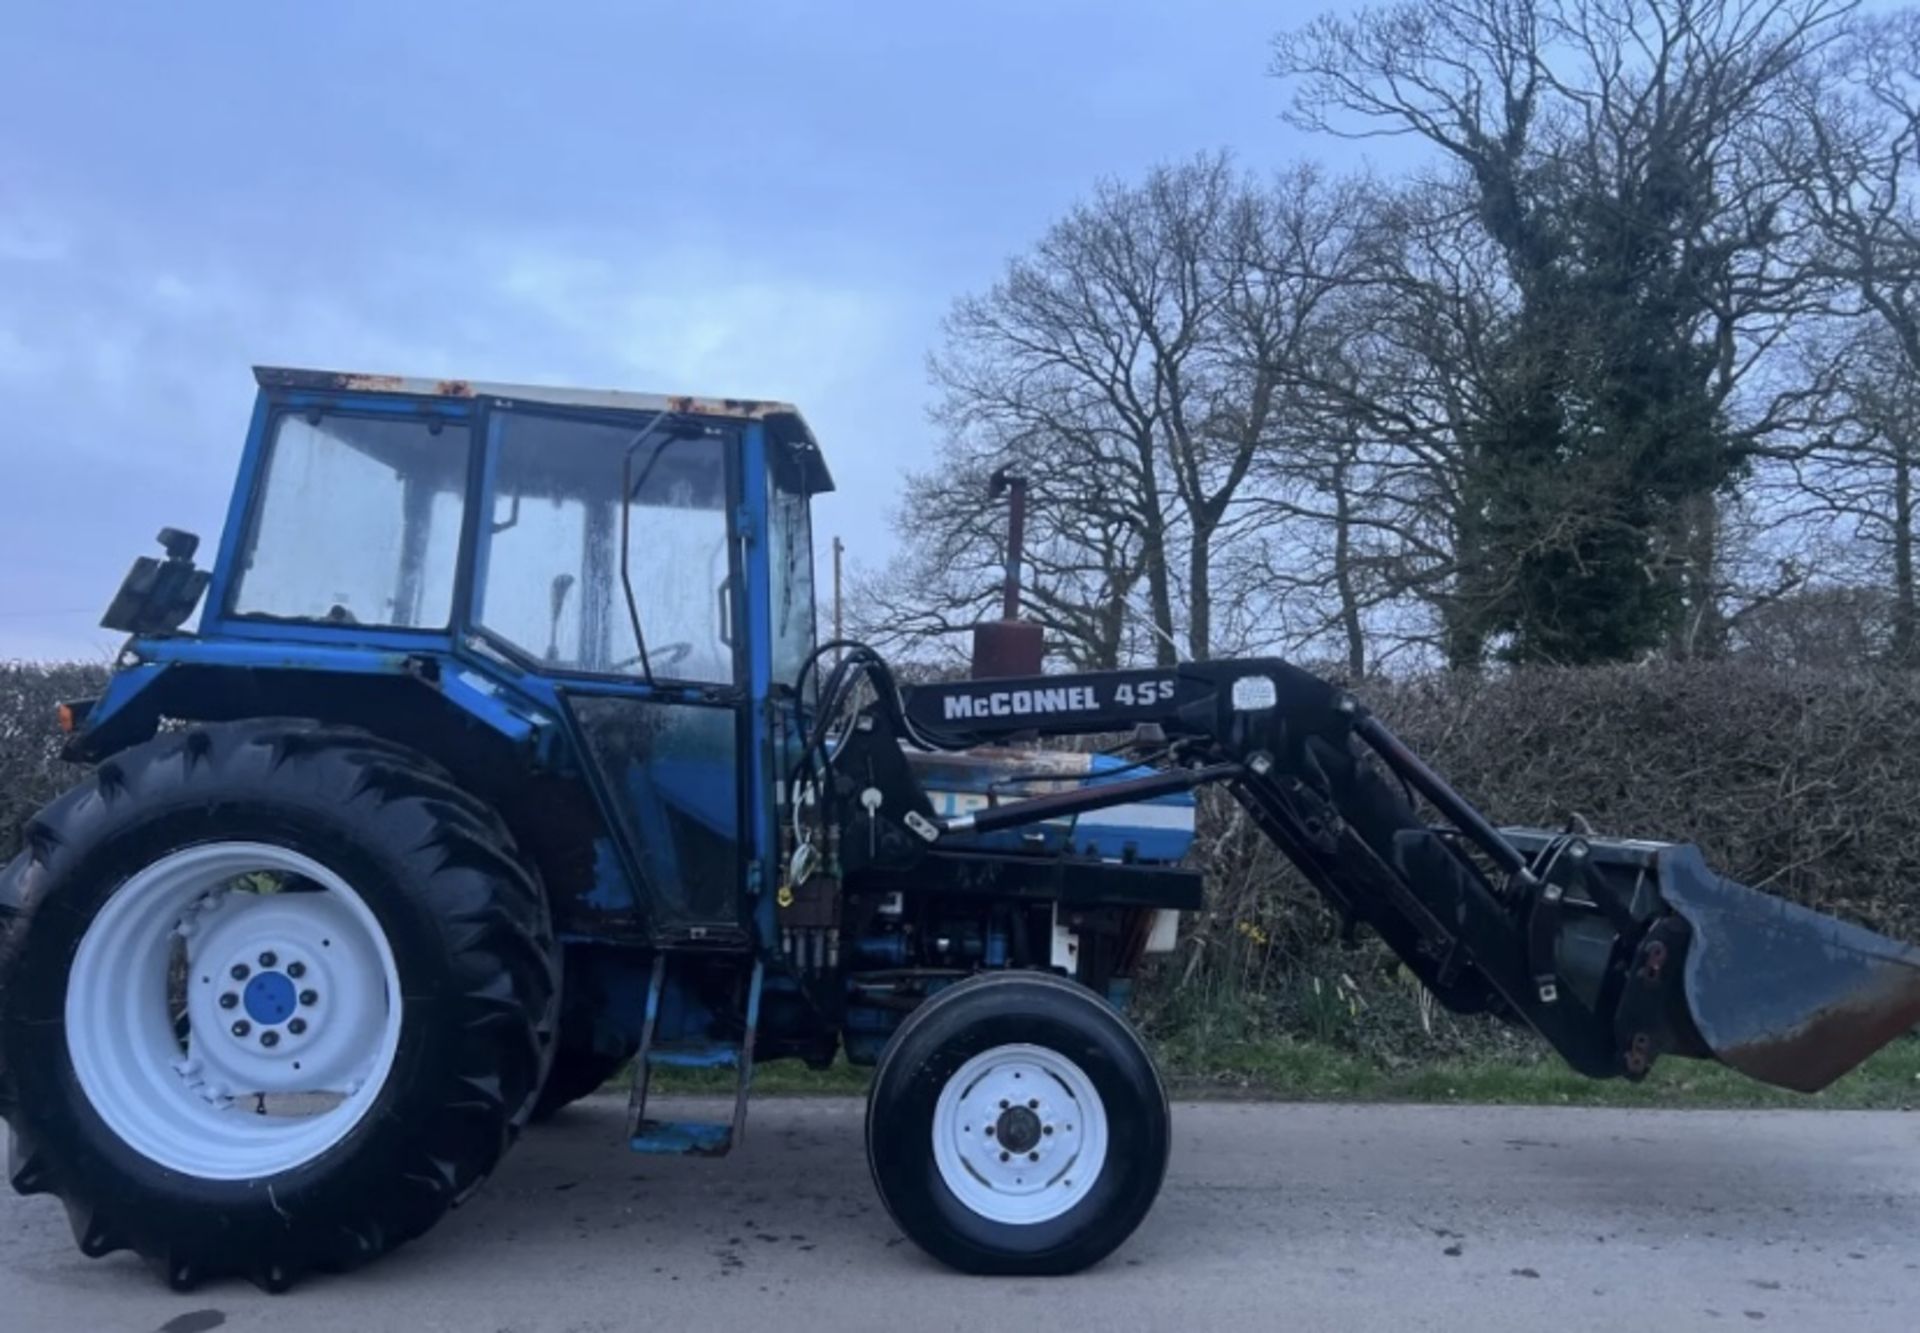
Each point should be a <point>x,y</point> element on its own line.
<point>158,595</point>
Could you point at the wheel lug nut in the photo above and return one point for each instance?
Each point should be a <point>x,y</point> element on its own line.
<point>269,1038</point>
<point>1034,1105</point>
<point>1005,1156</point>
<point>296,970</point>
<point>242,1028</point>
<point>297,1026</point>
<point>238,971</point>
<point>309,997</point>
<point>1033,1157</point>
<point>1004,1103</point>
<point>229,1000</point>
<point>989,1131</point>
<point>1046,1129</point>
<point>269,958</point>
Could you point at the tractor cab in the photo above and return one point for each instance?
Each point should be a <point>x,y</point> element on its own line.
<point>599,535</point>
<point>620,584</point>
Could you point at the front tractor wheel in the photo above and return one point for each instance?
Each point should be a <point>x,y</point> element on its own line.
<point>1017,1126</point>
<point>272,998</point>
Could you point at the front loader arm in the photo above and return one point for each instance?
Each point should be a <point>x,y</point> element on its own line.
<point>1615,951</point>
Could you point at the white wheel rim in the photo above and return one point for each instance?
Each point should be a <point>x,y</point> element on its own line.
<point>291,1007</point>
<point>1020,1134</point>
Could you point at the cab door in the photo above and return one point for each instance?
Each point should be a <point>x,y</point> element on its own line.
<point>790,472</point>
<point>616,570</point>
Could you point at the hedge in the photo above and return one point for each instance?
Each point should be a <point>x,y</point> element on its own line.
<point>31,772</point>
<point>1802,783</point>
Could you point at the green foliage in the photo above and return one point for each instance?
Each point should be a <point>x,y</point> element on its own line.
<point>1603,423</point>
<point>31,772</point>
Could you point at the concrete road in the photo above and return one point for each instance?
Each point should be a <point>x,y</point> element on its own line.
<point>1273,1217</point>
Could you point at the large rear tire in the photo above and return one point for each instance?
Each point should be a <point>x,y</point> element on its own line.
<point>582,1064</point>
<point>273,997</point>
<point>576,1073</point>
<point>1017,1125</point>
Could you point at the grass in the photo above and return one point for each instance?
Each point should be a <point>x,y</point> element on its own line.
<point>782,1078</point>
<point>1285,1069</point>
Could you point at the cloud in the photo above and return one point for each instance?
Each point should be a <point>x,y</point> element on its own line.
<point>19,358</point>
<point>30,241</point>
<point>699,320</point>
<point>840,342</point>
<point>127,361</point>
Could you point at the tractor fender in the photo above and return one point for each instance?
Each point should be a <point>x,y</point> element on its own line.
<point>218,681</point>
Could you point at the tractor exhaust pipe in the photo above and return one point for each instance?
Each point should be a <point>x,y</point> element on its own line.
<point>1009,646</point>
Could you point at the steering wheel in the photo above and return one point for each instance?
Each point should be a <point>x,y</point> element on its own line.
<point>660,655</point>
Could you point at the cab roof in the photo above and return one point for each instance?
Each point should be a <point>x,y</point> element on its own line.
<point>785,418</point>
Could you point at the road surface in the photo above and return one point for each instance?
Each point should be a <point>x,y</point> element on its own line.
<point>1274,1216</point>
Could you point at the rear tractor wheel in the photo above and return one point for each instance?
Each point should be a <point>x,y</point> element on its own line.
<point>272,998</point>
<point>578,1071</point>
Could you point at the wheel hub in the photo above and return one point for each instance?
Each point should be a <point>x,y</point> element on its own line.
<point>267,972</point>
<point>270,998</point>
<point>1018,1129</point>
<point>1020,1134</point>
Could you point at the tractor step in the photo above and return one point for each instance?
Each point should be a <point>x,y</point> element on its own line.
<point>703,1057</point>
<point>700,1138</point>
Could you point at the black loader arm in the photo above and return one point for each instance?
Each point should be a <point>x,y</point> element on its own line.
<point>1615,951</point>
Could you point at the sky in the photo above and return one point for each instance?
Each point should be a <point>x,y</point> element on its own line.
<point>771,200</point>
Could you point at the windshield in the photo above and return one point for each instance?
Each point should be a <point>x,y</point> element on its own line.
<point>553,584</point>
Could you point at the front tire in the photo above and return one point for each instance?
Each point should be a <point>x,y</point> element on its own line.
<point>1017,1125</point>
<point>273,997</point>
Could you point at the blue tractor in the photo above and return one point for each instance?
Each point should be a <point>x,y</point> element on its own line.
<point>504,754</point>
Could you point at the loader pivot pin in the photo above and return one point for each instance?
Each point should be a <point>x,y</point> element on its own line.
<point>1653,958</point>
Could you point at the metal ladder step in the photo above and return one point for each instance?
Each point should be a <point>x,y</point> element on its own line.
<point>701,1138</point>
<point>673,1138</point>
<point>708,1057</point>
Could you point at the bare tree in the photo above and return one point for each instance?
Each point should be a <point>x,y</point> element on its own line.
<point>1572,396</point>
<point>1065,365</point>
<point>1082,570</point>
<point>1137,364</point>
<point>1405,382</point>
<point>1857,163</point>
<point>1613,152</point>
<point>1851,488</point>
<point>1850,143</point>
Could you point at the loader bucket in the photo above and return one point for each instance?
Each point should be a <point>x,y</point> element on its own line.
<point>1783,994</point>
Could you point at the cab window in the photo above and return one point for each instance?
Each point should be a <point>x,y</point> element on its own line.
<point>356,522</point>
<point>553,584</point>
<point>790,549</point>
